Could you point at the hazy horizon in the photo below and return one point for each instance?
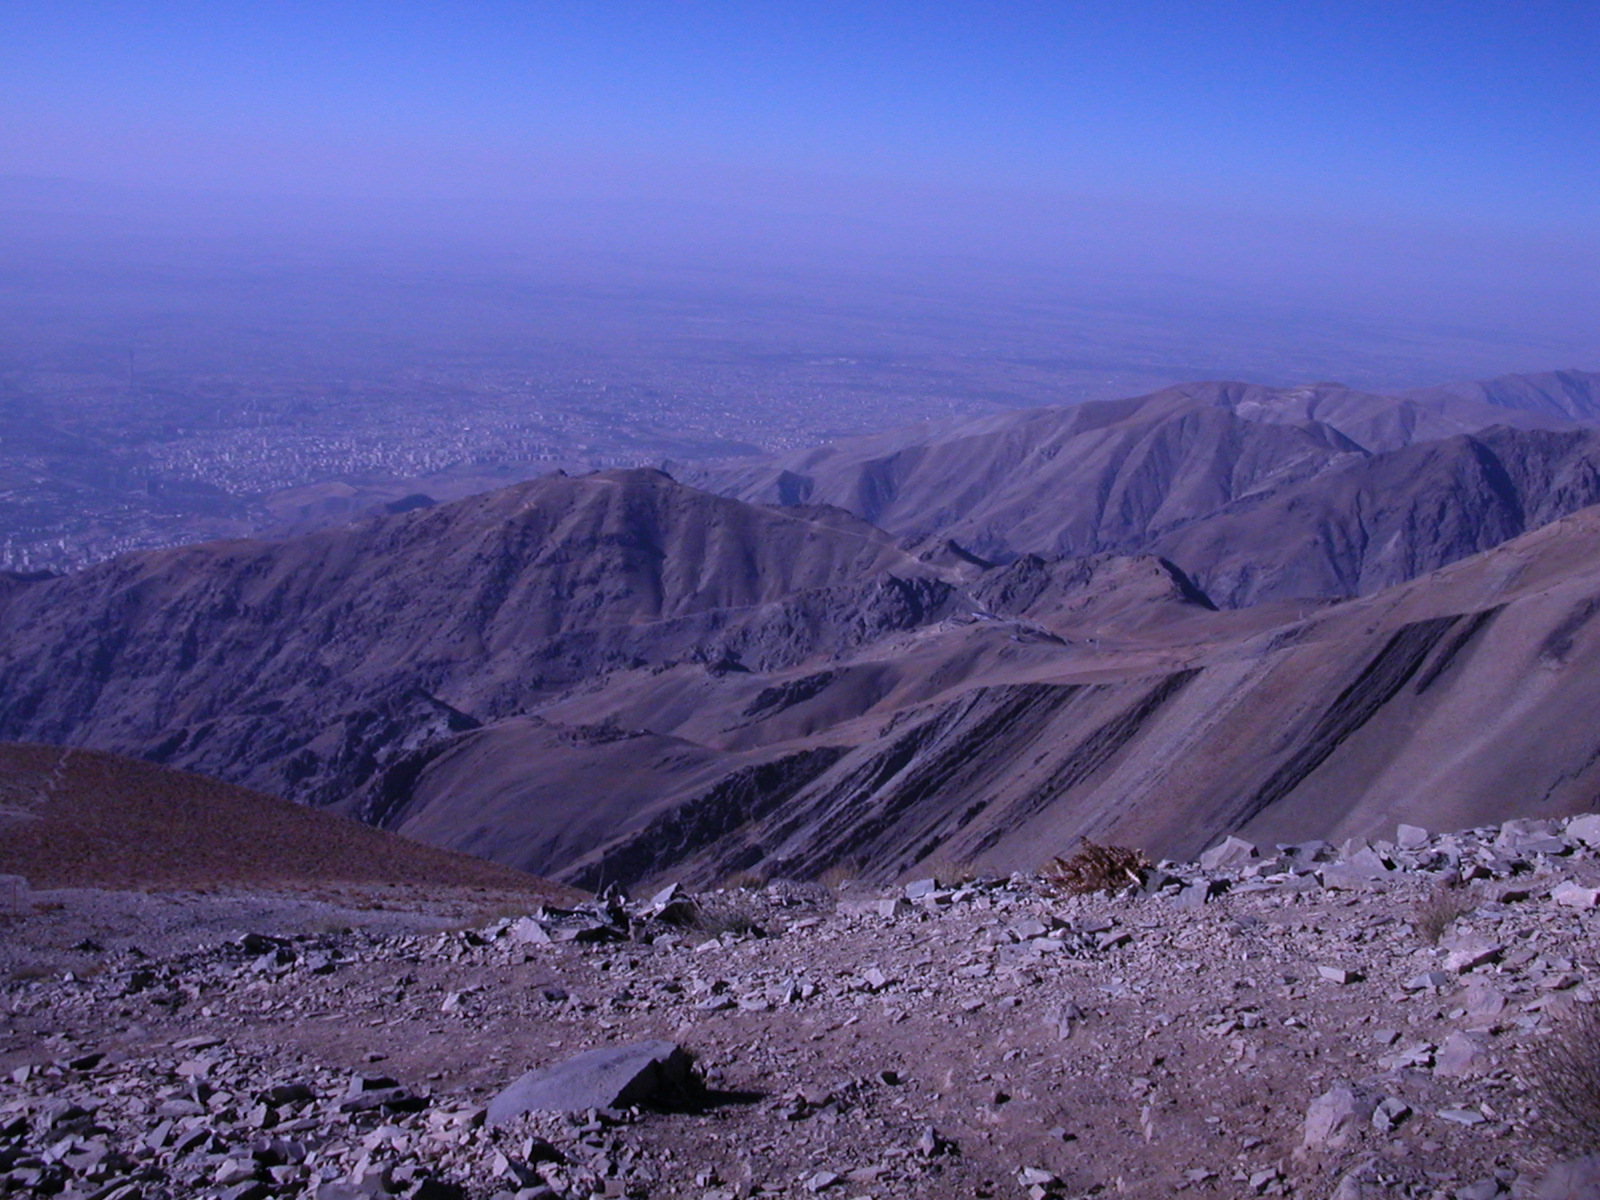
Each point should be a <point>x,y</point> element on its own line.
<point>1394,197</point>
<point>323,243</point>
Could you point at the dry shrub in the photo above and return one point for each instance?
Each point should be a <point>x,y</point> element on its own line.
<point>838,875</point>
<point>1096,868</point>
<point>1439,908</point>
<point>729,912</point>
<point>1565,1075</point>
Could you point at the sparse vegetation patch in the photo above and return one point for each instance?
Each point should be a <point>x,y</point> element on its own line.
<point>1096,868</point>
<point>1565,1074</point>
<point>1440,908</point>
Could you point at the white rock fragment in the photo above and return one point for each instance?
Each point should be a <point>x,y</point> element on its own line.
<point>1411,837</point>
<point>1389,1114</point>
<point>1470,955</point>
<point>1575,895</point>
<point>1333,1116</point>
<point>1459,1056</point>
<point>1585,829</point>
<point>1227,854</point>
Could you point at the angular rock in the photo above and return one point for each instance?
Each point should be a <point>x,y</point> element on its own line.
<point>1369,863</point>
<point>529,932</point>
<point>1342,877</point>
<point>1411,837</point>
<point>1543,843</point>
<point>1575,895</point>
<point>1468,956</point>
<point>1333,1117</point>
<point>1459,1056</point>
<point>641,1074</point>
<point>857,908</point>
<point>1585,829</point>
<point>1389,1114</point>
<point>1483,1000</point>
<point>1229,853</point>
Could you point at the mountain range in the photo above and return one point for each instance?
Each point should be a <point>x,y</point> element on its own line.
<point>1296,613</point>
<point>1258,494</point>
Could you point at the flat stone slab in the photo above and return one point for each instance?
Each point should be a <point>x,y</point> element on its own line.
<point>643,1073</point>
<point>1574,895</point>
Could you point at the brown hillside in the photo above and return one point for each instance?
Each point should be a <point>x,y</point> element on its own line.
<point>76,818</point>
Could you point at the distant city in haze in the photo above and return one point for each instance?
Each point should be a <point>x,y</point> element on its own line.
<point>260,273</point>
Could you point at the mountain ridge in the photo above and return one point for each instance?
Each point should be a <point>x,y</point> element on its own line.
<point>622,677</point>
<point>1149,474</point>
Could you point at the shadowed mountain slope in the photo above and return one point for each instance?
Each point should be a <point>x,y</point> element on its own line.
<point>1373,522</point>
<point>74,818</point>
<point>309,667</point>
<point>1449,701</point>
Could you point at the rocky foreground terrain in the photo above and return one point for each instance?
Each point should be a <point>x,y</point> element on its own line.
<point>1309,1021</point>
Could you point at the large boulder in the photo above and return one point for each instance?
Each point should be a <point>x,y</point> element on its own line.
<point>643,1074</point>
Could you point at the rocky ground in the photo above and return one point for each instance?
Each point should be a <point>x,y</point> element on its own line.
<point>1307,1021</point>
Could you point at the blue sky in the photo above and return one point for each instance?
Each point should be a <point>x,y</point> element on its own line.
<point>1462,113</point>
<point>1421,161</point>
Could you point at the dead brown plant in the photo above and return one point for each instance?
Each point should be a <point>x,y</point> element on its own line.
<point>728,912</point>
<point>1096,868</point>
<point>1440,907</point>
<point>838,875</point>
<point>1564,1074</point>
